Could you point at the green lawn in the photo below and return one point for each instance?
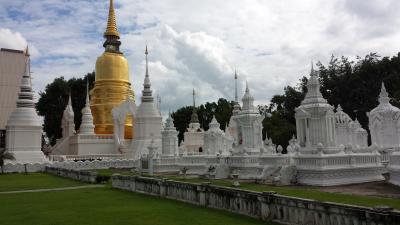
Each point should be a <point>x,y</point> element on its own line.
<point>97,206</point>
<point>20,181</point>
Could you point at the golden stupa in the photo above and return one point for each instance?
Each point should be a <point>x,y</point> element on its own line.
<point>112,84</point>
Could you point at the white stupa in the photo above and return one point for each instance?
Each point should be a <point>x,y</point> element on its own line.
<point>315,119</point>
<point>215,141</point>
<point>232,129</point>
<point>249,125</point>
<point>24,127</point>
<point>148,121</point>
<point>384,122</point>
<point>87,126</point>
<point>67,121</point>
<point>194,135</point>
<point>169,138</point>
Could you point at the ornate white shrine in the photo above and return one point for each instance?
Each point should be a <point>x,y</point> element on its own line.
<point>148,121</point>
<point>384,122</point>
<point>24,127</point>
<point>319,161</point>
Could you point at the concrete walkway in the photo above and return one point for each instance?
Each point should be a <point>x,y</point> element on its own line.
<point>54,189</point>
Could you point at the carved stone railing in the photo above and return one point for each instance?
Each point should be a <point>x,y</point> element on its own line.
<point>267,206</point>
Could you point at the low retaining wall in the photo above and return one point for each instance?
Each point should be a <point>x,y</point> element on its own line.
<point>266,206</point>
<point>27,167</point>
<point>80,175</point>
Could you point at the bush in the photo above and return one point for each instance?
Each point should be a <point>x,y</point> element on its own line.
<point>100,179</point>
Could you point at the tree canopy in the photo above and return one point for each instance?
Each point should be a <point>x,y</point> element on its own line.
<point>54,98</point>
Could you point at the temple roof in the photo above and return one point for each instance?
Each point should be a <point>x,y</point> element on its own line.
<point>384,106</point>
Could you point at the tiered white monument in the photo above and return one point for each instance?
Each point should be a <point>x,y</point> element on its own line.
<point>384,122</point>
<point>24,127</point>
<point>320,161</point>
<point>249,126</point>
<point>169,138</point>
<point>148,121</point>
<point>194,135</point>
<point>349,132</point>
<point>67,121</point>
<point>232,129</point>
<point>87,126</point>
<point>215,141</point>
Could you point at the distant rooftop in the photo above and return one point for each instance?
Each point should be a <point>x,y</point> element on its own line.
<point>11,50</point>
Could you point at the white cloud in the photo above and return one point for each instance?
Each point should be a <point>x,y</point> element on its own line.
<point>199,43</point>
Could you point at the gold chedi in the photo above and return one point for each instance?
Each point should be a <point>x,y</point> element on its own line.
<point>112,84</point>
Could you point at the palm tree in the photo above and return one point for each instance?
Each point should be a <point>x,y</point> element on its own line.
<point>5,156</point>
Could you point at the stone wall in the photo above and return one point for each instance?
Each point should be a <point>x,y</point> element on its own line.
<point>266,206</point>
<point>71,165</point>
<point>83,176</point>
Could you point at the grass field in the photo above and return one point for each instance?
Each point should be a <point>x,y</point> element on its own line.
<point>19,181</point>
<point>98,206</point>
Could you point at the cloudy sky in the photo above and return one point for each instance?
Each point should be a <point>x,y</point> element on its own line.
<point>199,44</point>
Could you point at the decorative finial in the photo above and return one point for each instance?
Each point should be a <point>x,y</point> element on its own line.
<point>384,95</point>
<point>312,73</point>
<point>147,63</point>
<point>247,87</point>
<point>27,51</point>
<point>111,23</point>
<point>194,103</point>
<point>69,98</point>
<point>236,91</point>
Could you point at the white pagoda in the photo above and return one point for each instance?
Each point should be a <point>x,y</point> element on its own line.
<point>148,121</point>
<point>24,126</point>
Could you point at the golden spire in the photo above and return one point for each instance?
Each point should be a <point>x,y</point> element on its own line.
<point>111,23</point>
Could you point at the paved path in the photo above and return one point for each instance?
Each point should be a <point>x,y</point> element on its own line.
<point>54,189</point>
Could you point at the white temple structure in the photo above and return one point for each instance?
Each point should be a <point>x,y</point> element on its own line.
<point>315,120</point>
<point>319,161</point>
<point>349,132</point>
<point>87,126</point>
<point>24,126</point>
<point>169,138</point>
<point>249,126</point>
<point>194,135</point>
<point>215,140</point>
<point>67,121</point>
<point>232,129</point>
<point>384,122</point>
<point>148,121</point>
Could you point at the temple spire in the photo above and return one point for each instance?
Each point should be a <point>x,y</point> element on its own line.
<point>194,102</point>
<point>236,91</point>
<point>313,94</point>
<point>147,63</point>
<point>25,95</point>
<point>111,22</point>
<point>111,34</point>
<point>147,92</point>
<point>194,118</point>
<point>383,96</point>
<point>27,51</point>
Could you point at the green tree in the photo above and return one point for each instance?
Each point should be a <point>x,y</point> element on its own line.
<point>4,155</point>
<point>222,109</point>
<point>54,98</point>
